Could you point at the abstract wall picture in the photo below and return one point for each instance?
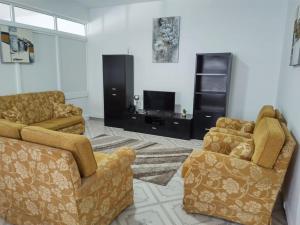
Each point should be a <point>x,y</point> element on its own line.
<point>166,34</point>
<point>295,56</point>
<point>16,45</point>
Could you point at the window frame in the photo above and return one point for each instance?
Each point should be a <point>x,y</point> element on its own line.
<point>34,11</point>
<point>10,12</point>
<point>62,18</point>
<point>12,21</point>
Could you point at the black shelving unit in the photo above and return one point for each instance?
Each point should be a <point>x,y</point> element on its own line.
<point>212,84</point>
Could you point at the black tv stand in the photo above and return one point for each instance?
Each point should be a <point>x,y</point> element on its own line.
<point>161,123</point>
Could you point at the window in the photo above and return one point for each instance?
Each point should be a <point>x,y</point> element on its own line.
<point>34,18</point>
<point>5,12</point>
<point>70,27</point>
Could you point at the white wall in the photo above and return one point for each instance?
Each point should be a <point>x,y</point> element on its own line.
<point>60,61</point>
<point>251,30</point>
<point>288,103</point>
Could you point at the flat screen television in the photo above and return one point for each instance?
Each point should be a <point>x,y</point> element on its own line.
<point>159,100</point>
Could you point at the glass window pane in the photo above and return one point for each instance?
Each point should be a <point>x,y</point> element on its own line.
<point>70,27</point>
<point>4,12</point>
<point>34,18</point>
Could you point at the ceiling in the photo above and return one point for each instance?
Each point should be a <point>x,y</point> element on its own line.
<point>103,3</point>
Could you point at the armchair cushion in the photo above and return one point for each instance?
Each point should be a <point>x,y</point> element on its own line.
<point>243,151</point>
<point>78,145</point>
<point>268,138</point>
<point>65,110</point>
<point>266,111</point>
<point>235,124</point>
<point>232,132</point>
<point>10,129</point>
<point>223,143</point>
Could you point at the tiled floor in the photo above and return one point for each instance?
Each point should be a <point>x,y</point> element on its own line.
<point>159,205</point>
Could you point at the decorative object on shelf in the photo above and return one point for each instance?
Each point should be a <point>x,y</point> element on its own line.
<point>184,112</point>
<point>16,45</point>
<point>295,55</point>
<point>136,99</point>
<point>166,33</point>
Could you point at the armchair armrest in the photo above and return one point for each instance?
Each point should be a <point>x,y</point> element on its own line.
<point>235,124</point>
<point>111,167</point>
<point>218,180</point>
<point>222,142</point>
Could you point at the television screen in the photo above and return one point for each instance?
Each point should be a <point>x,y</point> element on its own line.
<point>159,100</point>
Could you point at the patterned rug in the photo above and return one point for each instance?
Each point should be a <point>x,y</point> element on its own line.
<point>154,163</point>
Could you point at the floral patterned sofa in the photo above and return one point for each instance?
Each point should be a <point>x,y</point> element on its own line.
<point>43,109</point>
<point>238,178</point>
<point>53,178</point>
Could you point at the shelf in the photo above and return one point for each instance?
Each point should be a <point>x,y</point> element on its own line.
<point>210,93</point>
<point>211,74</point>
<point>211,109</point>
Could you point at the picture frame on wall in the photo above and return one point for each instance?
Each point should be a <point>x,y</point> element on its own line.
<point>16,45</point>
<point>295,54</point>
<point>165,43</point>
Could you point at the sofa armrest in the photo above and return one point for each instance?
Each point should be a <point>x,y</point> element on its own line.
<point>76,111</point>
<point>240,185</point>
<point>110,168</point>
<point>235,124</point>
<point>222,142</point>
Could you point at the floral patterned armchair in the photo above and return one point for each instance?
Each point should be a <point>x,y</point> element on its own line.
<point>44,185</point>
<point>241,127</point>
<point>219,184</point>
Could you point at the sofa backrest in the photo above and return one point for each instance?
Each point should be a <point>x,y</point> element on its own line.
<point>265,111</point>
<point>269,138</point>
<point>35,107</point>
<point>78,145</point>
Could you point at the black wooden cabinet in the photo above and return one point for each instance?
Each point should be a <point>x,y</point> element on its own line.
<point>212,84</point>
<point>118,85</point>
<point>163,124</point>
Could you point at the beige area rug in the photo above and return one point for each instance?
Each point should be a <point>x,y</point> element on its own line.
<point>154,163</point>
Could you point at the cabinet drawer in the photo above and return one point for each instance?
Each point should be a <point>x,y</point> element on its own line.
<point>134,122</point>
<point>179,128</point>
<point>203,122</point>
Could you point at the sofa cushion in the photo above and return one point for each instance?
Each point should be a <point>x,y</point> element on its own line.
<point>266,111</point>
<point>14,115</point>
<point>60,123</point>
<point>268,138</point>
<point>243,151</point>
<point>65,110</point>
<point>78,145</point>
<point>10,129</point>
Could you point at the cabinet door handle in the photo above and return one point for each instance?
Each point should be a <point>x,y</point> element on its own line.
<point>114,89</point>
<point>207,116</point>
<point>176,123</point>
<point>134,118</point>
<point>154,128</point>
<point>114,94</point>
